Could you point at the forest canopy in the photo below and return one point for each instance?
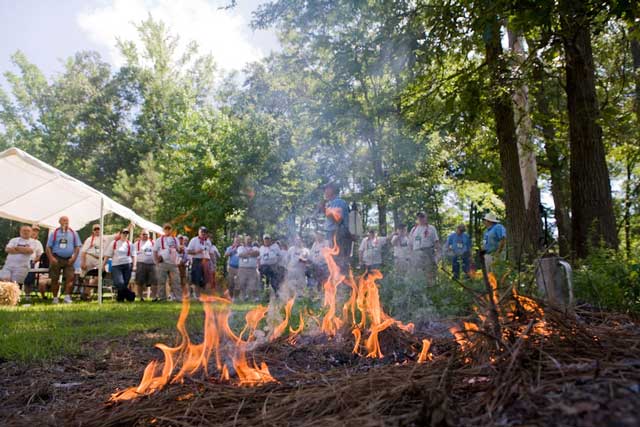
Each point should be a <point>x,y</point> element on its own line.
<point>527,109</point>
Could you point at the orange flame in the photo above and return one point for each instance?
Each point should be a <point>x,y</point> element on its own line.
<point>463,336</point>
<point>279,330</point>
<point>424,354</point>
<point>334,213</point>
<point>218,338</point>
<point>358,336</point>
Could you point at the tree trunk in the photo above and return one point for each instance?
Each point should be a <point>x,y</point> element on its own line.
<point>557,164</point>
<point>526,148</point>
<point>593,220</point>
<point>517,234</point>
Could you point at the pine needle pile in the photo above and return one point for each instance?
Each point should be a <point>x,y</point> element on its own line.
<point>515,363</point>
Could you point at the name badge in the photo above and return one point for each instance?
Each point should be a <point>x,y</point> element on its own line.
<point>63,244</point>
<point>460,245</point>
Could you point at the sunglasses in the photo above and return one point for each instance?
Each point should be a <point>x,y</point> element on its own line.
<point>144,234</point>
<point>125,232</point>
<point>96,229</point>
<point>167,228</point>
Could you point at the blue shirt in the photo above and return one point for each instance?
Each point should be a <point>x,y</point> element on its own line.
<point>331,225</point>
<point>234,259</point>
<point>493,236</point>
<point>460,244</point>
<point>65,242</point>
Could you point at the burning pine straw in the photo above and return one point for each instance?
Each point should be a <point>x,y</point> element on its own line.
<point>535,366</point>
<point>579,370</point>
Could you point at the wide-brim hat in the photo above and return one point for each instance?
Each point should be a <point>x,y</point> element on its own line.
<point>491,217</point>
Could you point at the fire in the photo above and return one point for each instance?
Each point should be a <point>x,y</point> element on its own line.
<point>364,300</point>
<point>279,330</point>
<point>362,313</point>
<point>494,288</point>
<point>334,213</point>
<point>293,333</point>
<point>424,354</point>
<point>463,336</point>
<point>331,323</point>
<point>220,342</point>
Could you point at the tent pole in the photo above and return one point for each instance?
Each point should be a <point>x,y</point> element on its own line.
<point>100,251</point>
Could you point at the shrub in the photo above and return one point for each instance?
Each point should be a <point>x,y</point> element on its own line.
<point>606,280</point>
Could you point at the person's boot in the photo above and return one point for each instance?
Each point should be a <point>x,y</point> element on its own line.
<point>120,296</point>
<point>129,295</point>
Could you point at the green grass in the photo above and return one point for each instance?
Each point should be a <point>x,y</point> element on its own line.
<point>47,332</point>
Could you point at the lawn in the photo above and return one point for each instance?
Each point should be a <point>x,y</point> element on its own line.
<point>48,332</point>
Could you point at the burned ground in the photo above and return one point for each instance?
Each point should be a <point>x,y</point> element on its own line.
<point>581,370</point>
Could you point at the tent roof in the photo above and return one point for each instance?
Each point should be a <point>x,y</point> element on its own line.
<point>33,191</point>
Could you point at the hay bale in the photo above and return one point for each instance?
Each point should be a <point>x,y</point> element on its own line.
<point>9,293</point>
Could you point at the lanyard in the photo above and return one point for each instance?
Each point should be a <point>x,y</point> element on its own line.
<point>55,235</point>
<point>128,246</point>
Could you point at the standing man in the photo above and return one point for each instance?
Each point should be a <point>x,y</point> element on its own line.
<point>401,250</point>
<point>34,262</point>
<point>200,251</point>
<point>165,254</point>
<point>233,262</point>
<point>494,240</point>
<point>459,247</point>
<point>183,263</point>
<point>19,251</point>
<point>297,261</point>
<point>425,243</point>
<point>248,278</point>
<point>318,261</point>
<point>145,266</point>
<point>370,251</point>
<point>63,247</point>
<point>269,259</point>
<point>336,212</point>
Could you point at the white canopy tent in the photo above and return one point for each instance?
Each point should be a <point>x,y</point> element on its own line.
<point>34,192</point>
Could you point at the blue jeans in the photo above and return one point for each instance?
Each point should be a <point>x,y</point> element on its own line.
<point>121,274</point>
<point>271,275</point>
<point>465,259</point>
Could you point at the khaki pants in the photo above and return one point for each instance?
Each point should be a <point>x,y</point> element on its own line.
<point>66,268</point>
<point>166,270</point>
<point>424,265</point>
<point>490,260</point>
<point>232,280</point>
<point>247,283</point>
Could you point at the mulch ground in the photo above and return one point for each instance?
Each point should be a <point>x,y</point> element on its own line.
<point>581,370</point>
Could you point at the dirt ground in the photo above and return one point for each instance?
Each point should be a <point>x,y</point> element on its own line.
<point>330,384</point>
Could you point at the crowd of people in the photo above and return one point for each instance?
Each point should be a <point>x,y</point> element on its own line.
<point>173,267</point>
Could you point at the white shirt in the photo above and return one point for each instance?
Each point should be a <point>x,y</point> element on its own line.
<point>18,260</point>
<point>401,248</point>
<point>294,257</point>
<point>196,244</point>
<point>36,245</point>
<point>269,255</point>
<point>167,248</point>
<point>214,254</point>
<point>120,251</point>
<point>316,252</point>
<point>371,250</point>
<point>144,251</point>
<point>249,262</point>
<point>92,249</point>
<point>422,237</point>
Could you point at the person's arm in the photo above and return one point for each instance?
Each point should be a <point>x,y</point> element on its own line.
<point>191,250</point>
<point>76,249</point>
<point>83,257</point>
<point>50,256</point>
<point>11,248</point>
<point>156,257</point>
